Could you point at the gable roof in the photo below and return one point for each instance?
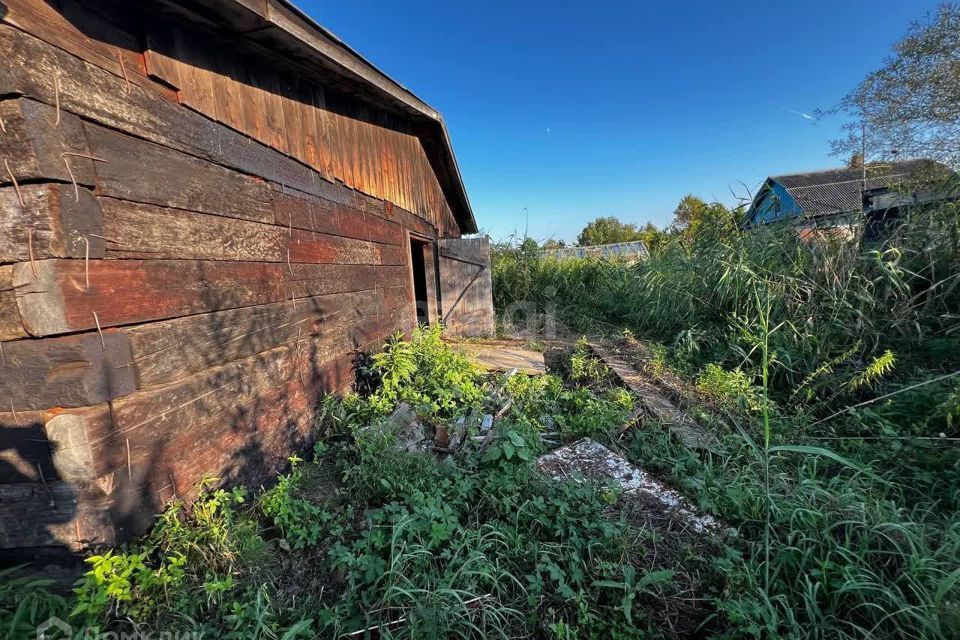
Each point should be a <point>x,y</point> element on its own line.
<point>284,29</point>
<point>840,190</point>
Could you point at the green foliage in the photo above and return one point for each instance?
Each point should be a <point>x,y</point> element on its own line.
<point>425,373</point>
<point>26,602</point>
<point>852,555</point>
<point>911,105</point>
<point>878,367</point>
<point>733,389</point>
<point>585,368</point>
<point>301,520</point>
<point>608,230</point>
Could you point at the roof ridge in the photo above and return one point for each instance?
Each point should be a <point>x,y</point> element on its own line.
<point>836,169</point>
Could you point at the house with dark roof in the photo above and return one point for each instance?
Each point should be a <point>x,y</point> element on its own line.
<point>834,197</point>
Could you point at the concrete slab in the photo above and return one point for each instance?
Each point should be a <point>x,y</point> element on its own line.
<point>592,461</point>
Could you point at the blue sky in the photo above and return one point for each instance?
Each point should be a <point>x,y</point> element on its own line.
<point>563,111</point>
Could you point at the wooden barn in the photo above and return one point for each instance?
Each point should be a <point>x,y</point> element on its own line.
<point>208,206</point>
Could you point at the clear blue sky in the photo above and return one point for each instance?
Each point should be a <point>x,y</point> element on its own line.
<point>570,110</point>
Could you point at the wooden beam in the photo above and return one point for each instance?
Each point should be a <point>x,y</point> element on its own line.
<point>69,371</point>
<point>42,514</point>
<point>11,327</point>
<point>55,221</point>
<point>35,143</point>
<point>55,300</point>
<point>141,171</point>
<point>143,231</point>
<point>172,349</point>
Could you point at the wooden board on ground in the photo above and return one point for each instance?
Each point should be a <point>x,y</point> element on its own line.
<point>692,434</point>
<point>498,356</point>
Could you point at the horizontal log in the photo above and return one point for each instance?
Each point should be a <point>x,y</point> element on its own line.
<point>32,65</point>
<point>169,350</point>
<point>92,442</point>
<point>55,221</point>
<point>24,449</point>
<point>71,25</point>
<point>142,171</point>
<point>81,370</point>
<point>241,430</point>
<point>56,299</point>
<point>69,371</point>
<point>326,216</point>
<point>10,325</point>
<point>35,143</point>
<point>96,95</point>
<point>37,514</point>
<point>143,231</point>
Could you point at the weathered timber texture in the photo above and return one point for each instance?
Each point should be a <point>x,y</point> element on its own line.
<point>55,221</point>
<point>24,450</point>
<point>35,142</point>
<point>158,175</point>
<point>89,92</point>
<point>198,231</point>
<point>52,513</point>
<point>466,288</point>
<point>59,28</point>
<point>56,300</point>
<point>10,325</point>
<point>164,351</point>
<point>68,371</point>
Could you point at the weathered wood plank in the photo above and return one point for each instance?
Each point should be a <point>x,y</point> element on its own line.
<point>140,171</point>
<point>686,429</point>
<point>10,325</point>
<point>145,231</point>
<point>52,223</point>
<point>466,290</point>
<point>166,351</point>
<point>24,450</point>
<point>326,216</point>
<point>133,291</point>
<point>94,94</point>
<point>34,143</point>
<point>69,371</point>
<point>239,421</point>
<point>105,44</point>
<point>37,514</point>
<point>316,248</point>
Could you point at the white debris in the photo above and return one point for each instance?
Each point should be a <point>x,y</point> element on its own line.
<point>591,460</point>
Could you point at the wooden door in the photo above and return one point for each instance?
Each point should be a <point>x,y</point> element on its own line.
<point>466,289</point>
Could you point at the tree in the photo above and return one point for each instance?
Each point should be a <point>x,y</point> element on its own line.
<point>911,106</point>
<point>694,216</point>
<point>553,244</point>
<point>607,230</point>
<point>653,238</point>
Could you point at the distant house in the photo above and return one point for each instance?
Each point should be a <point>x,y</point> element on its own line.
<point>835,197</point>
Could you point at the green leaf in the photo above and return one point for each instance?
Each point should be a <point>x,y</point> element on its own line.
<point>298,629</point>
<point>508,450</point>
<point>826,453</point>
<point>516,439</point>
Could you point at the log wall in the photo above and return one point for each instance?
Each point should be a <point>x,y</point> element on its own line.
<point>192,245</point>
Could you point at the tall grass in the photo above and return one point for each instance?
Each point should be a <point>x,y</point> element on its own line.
<point>848,501</point>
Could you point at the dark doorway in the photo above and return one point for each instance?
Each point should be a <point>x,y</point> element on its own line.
<point>419,280</point>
